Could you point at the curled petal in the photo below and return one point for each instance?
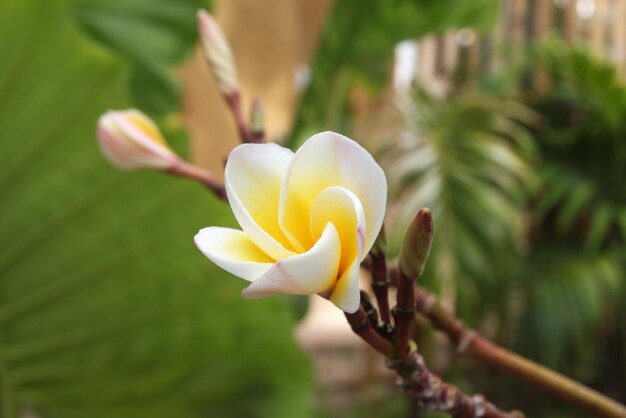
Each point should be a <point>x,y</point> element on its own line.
<point>253,179</point>
<point>233,251</point>
<point>346,294</point>
<point>341,207</point>
<point>329,159</point>
<point>130,140</point>
<point>314,271</point>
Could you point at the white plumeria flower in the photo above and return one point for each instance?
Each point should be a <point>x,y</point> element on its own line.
<point>308,218</point>
<point>130,140</point>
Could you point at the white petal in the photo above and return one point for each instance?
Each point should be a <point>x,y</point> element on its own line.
<point>329,159</point>
<point>233,251</point>
<point>314,271</point>
<point>346,294</point>
<point>253,178</point>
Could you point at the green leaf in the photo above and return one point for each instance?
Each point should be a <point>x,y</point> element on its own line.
<point>106,308</point>
<point>474,178</point>
<point>575,205</point>
<point>153,35</point>
<point>571,294</point>
<point>600,224</point>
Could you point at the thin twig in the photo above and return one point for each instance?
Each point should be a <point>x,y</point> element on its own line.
<point>404,313</point>
<point>380,287</point>
<point>361,326</point>
<point>370,309</point>
<point>233,101</point>
<point>470,343</point>
<point>185,169</point>
<point>257,124</point>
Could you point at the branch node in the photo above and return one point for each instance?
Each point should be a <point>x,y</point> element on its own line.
<point>479,405</point>
<point>359,327</point>
<point>465,341</point>
<point>380,284</point>
<point>403,311</point>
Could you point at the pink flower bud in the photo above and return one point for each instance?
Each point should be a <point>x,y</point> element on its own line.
<point>130,140</point>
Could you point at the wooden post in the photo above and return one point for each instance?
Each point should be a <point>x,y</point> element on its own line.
<point>516,24</point>
<point>618,38</point>
<point>570,29</point>
<point>543,24</point>
<point>451,53</point>
<point>597,38</point>
<point>499,38</point>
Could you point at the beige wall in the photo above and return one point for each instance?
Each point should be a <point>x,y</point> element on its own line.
<point>270,40</point>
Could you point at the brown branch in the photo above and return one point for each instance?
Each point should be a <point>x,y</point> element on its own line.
<point>369,308</point>
<point>431,392</point>
<point>380,287</point>
<point>361,326</point>
<point>437,396</point>
<point>470,343</point>
<point>404,313</point>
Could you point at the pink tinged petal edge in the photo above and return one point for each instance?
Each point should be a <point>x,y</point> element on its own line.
<point>258,235</point>
<point>211,242</point>
<point>314,271</point>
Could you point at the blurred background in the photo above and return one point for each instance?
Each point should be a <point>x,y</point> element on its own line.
<point>506,117</point>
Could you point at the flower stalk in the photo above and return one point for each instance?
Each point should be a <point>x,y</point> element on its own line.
<point>430,390</point>
<point>193,172</point>
<point>361,326</point>
<point>413,255</point>
<point>233,101</point>
<point>472,344</point>
<point>380,280</point>
<point>436,395</point>
<point>257,122</point>
<point>220,59</point>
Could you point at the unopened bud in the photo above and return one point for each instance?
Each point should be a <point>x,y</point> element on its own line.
<point>416,246</point>
<point>130,140</point>
<point>218,54</point>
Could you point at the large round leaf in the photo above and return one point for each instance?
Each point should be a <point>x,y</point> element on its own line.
<point>106,307</point>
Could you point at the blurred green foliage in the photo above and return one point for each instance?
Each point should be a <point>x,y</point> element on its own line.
<point>529,202</point>
<point>106,308</point>
<point>468,160</point>
<point>151,35</point>
<point>572,280</point>
<point>357,46</point>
